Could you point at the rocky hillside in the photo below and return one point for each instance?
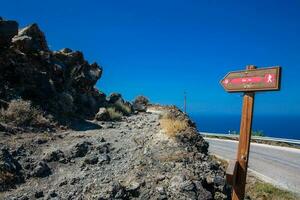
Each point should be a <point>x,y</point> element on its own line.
<point>128,159</point>
<point>113,150</point>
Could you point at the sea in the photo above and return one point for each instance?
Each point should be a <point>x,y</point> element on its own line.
<point>271,126</point>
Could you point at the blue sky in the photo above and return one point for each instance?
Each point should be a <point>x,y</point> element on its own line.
<point>163,48</point>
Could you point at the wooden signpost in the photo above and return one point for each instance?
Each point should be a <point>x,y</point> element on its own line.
<point>248,81</point>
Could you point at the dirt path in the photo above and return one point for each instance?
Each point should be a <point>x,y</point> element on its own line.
<point>131,159</point>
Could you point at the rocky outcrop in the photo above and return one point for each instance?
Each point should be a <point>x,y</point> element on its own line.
<point>102,115</point>
<point>30,39</point>
<point>115,98</point>
<point>8,29</point>
<point>60,82</point>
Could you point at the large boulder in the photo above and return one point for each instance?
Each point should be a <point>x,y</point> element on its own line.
<point>114,98</point>
<point>8,29</point>
<point>76,71</point>
<point>41,170</point>
<point>30,39</point>
<point>102,115</point>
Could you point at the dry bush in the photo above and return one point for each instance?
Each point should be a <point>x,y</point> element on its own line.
<point>141,100</point>
<point>21,113</point>
<point>171,126</point>
<point>114,114</point>
<point>123,108</point>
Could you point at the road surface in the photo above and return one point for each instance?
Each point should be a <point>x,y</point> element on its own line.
<point>277,165</point>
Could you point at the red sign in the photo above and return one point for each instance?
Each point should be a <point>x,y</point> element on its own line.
<point>263,79</point>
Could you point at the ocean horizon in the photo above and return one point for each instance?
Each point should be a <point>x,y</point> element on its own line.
<point>271,126</point>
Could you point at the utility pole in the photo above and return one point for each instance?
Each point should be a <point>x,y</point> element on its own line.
<point>184,103</point>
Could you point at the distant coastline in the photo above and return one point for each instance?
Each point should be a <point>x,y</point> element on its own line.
<point>272,126</point>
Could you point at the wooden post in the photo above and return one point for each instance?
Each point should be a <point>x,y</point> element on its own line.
<point>238,192</point>
<point>248,81</point>
<point>184,103</point>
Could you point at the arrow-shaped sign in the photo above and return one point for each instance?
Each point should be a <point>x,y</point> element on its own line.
<point>262,79</point>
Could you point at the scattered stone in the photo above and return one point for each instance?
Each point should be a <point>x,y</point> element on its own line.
<point>74,180</point>
<point>118,191</point>
<point>176,181</point>
<point>52,193</point>
<point>160,190</point>
<point>24,197</point>
<point>64,182</point>
<point>103,148</point>
<point>53,156</point>
<point>209,180</point>
<point>219,181</point>
<point>81,149</point>
<point>39,194</point>
<point>91,160</point>
<point>187,185</point>
<point>40,141</point>
<point>41,170</point>
<point>19,151</point>
<point>220,196</point>
<point>202,193</point>
<point>10,171</point>
<point>133,186</point>
<point>160,178</point>
<point>104,159</point>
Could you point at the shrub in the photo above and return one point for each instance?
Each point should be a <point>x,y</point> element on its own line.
<point>114,114</point>
<point>22,113</point>
<point>258,133</point>
<point>172,126</point>
<point>123,108</point>
<point>141,100</point>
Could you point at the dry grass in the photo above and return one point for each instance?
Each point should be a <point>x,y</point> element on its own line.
<point>123,108</point>
<point>21,113</point>
<point>259,190</point>
<point>171,126</point>
<point>114,114</point>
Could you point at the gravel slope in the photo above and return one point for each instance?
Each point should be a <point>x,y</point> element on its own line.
<point>130,159</point>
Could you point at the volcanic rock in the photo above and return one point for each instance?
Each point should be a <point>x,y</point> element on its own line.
<point>10,170</point>
<point>8,29</point>
<point>30,38</point>
<point>102,115</point>
<point>41,170</point>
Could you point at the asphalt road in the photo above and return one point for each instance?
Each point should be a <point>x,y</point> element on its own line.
<point>277,165</point>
